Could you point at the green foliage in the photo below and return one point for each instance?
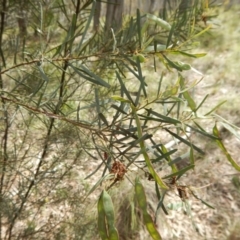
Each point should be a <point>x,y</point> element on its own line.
<point>73,98</point>
<point>222,147</point>
<point>141,198</point>
<point>106,226</point>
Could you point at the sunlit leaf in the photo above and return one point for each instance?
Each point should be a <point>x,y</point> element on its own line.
<point>195,55</point>
<point>102,228</point>
<point>159,48</point>
<point>142,202</point>
<point>159,21</point>
<point>120,99</point>
<point>109,213</point>
<point>222,147</point>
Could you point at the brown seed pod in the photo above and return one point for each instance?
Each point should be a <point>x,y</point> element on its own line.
<point>119,170</point>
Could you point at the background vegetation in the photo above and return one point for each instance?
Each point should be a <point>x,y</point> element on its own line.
<point>98,112</point>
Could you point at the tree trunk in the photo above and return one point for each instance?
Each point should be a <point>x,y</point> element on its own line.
<point>97,16</point>
<point>114,14</point>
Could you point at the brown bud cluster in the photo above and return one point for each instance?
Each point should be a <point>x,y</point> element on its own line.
<point>119,170</point>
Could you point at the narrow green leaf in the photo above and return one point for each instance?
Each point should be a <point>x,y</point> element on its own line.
<point>180,172</point>
<point>102,229</point>
<point>91,15</point>
<point>183,66</point>
<point>44,76</point>
<point>221,103</point>
<point>204,99</point>
<point>103,118</point>
<point>120,141</point>
<point>186,94</point>
<point>104,178</point>
<point>138,95</point>
<point>203,31</point>
<point>195,55</point>
<point>169,93</point>
<point>225,121</point>
<point>131,30</point>
<point>154,64</point>
<point>173,166</point>
<point>176,160</point>
<point>140,194</point>
<point>231,129</point>
<point>72,30</point>
<point>167,119</point>
<point>170,34</point>
<point>95,77</point>
<point>172,64</point>
<point>141,79</point>
<point>151,227</point>
<point>146,157</point>
<point>190,101</point>
<point>120,99</point>
<point>222,147</point>
<point>142,202</point>
<point>130,62</point>
<point>86,74</point>
<point>165,155</point>
<point>191,157</point>
<point>198,125</point>
<point>109,213</point>
<point>155,48</point>
<point>202,131</point>
<point>134,143</point>
<point>118,109</point>
<point>147,118</point>
<point>123,87</point>
<point>132,70</point>
<point>184,141</point>
<point>126,132</point>
<point>207,204</point>
<point>97,105</point>
<point>139,27</point>
<point>161,205</point>
<point>160,84</point>
<point>162,23</point>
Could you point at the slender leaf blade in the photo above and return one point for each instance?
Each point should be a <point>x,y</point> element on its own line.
<point>142,202</point>
<point>146,157</point>
<point>102,229</point>
<point>184,141</point>
<point>222,147</point>
<point>109,213</point>
<point>180,172</point>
